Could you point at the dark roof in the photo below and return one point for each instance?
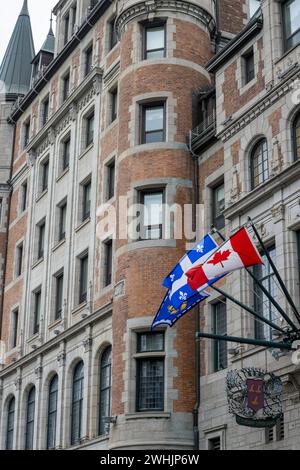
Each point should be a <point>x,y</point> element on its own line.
<point>15,70</point>
<point>49,43</point>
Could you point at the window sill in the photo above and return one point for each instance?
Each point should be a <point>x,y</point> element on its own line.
<point>111,125</point>
<point>246,86</point>
<point>37,263</point>
<point>85,151</point>
<point>83,224</point>
<point>79,308</point>
<point>62,174</point>
<point>58,245</point>
<point>147,415</point>
<point>33,338</point>
<point>41,195</point>
<point>55,324</point>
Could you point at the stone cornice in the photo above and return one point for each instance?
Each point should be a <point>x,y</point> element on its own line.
<point>179,6</point>
<point>265,191</point>
<point>272,96</point>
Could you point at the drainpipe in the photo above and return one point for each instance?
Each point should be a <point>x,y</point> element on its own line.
<point>7,228</point>
<point>197,323</point>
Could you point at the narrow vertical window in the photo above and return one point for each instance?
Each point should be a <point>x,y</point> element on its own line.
<point>45,111</point>
<point>150,372</point>
<point>41,240</point>
<point>45,175</point>
<point>88,55</point>
<point>220,328</point>
<point>52,413</point>
<point>108,262</point>
<point>259,163</point>
<point>113,39</point>
<point>37,311</point>
<point>111,173</point>
<point>86,202</point>
<point>153,123</point>
<point>77,404</point>
<point>66,153</point>
<point>14,329</point>
<point>152,215</point>
<point>219,206</point>
<point>26,133</point>
<point>249,66</point>
<point>59,296</point>
<point>19,260</point>
<point>66,87</point>
<point>83,279</point>
<point>62,222</point>
<point>105,389</point>
<point>114,105</point>
<point>90,124</point>
<point>30,412</point>
<point>23,197</point>
<point>66,28</point>
<point>10,424</point>
<point>155,42</point>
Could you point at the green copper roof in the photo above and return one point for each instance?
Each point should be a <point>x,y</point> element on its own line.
<point>15,70</point>
<point>48,45</point>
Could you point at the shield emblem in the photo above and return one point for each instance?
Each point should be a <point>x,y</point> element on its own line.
<point>255,394</point>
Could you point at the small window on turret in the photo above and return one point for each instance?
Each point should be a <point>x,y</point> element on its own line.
<point>26,133</point>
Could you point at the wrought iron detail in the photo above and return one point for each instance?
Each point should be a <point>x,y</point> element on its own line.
<point>237,395</point>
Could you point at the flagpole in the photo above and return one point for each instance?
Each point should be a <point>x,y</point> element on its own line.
<point>282,285</point>
<point>264,290</point>
<point>255,342</point>
<point>249,309</point>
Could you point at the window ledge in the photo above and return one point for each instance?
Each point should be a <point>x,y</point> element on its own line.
<point>111,125</point>
<point>246,87</point>
<point>33,338</point>
<point>85,151</point>
<point>78,308</point>
<point>136,245</point>
<point>41,195</point>
<point>83,224</point>
<point>55,324</point>
<point>62,174</point>
<point>58,245</point>
<point>36,263</point>
<point>147,415</point>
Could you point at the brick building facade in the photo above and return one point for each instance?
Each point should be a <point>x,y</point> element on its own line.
<point>106,118</point>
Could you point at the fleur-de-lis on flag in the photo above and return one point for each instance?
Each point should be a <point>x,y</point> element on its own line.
<point>183,296</point>
<point>200,248</point>
<point>172,277</point>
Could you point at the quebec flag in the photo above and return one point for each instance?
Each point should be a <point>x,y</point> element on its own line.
<point>169,315</point>
<point>177,282</point>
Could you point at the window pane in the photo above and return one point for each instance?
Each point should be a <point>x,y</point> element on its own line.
<point>296,138</point>
<point>150,394</point>
<point>77,401</point>
<point>10,424</point>
<point>220,328</point>
<point>260,164</point>
<point>83,279</point>
<point>105,389</point>
<point>155,38</point>
<point>30,420</point>
<point>153,213</point>
<point>150,342</point>
<point>154,119</point>
<point>52,413</point>
<point>219,207</point>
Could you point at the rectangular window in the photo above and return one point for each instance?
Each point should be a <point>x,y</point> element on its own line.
<point>45,111</point>
<point>111,173</point>
<point>249,66</point>
<point>214,443</point>
<point>254,6</point>
<point>114,105</point>
<point>26,133</point>
<point>88,55</point>
<point>298,255</point>
<point>59,296</point>
<point>153,123</point>
<point>14,329</point>
<point>73,18</point>
<point>86,201</point>
<point>291,13</point>
<point>66,28</point>
<point>45,175</point>
<point>108,264</point>
<point>269,435</point>
<point>62,222</point>
<point>220,328</point>
<point>83,279</point>
<point>155,41</point>
<point>150,372</point>
<point>66,87</point>
<point>41,240</point>
<point>262,304</point>
<point>1,207</point>
<point>280,431</point>
<point>66,154</point>
<point>152,215</point>
<point>23,197</point>
<point>219,206</point>
<point>90,124</point>
<point>37,311</point>
<point>113,39</point>
<point>19,260</point>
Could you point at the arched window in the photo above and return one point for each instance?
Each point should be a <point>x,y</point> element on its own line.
<point>10,424</point>
<point>77,402</point>
<point>259,164</point>
<point>296,137</point>
<point>30,419</point>
<point>52,413</point>
<point>105,389</point>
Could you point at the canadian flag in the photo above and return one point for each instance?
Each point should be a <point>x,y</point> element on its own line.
<point>236,253</point>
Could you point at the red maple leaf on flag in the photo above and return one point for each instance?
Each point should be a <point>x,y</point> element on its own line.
<point>219,257</point>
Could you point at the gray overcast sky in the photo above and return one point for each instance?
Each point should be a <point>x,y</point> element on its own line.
<point>40,11</point>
